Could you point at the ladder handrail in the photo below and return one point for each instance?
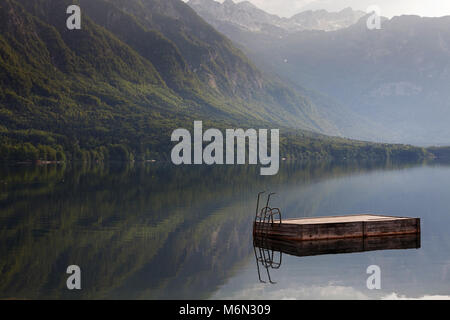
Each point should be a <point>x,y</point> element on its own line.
<point>257,203</point>
<point>266,214</point>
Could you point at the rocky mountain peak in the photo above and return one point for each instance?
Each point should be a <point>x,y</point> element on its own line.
<point>247,16</point>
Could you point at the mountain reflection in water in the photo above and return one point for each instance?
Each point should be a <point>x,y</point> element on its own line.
<point>148,231</point>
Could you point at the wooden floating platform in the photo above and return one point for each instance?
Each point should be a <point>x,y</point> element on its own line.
<point>339,227</point>
<point>339,246</point>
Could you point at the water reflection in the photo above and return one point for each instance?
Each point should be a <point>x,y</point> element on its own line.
<point>269,252</point>
<point>268,258</point>
<point>145,231</point>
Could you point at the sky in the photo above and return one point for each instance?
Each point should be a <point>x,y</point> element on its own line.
<point>389,8</point>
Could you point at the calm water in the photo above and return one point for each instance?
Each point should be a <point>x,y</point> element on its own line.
<point>161,232</point>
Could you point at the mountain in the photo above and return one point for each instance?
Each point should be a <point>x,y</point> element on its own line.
<point>248,27</point>
<point>397,76</point>
<point>132,66</point>
<point>246,16</point>
<point>136,71</point>
<point>394,79</point>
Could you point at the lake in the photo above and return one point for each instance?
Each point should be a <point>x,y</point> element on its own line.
<point>151,231</point>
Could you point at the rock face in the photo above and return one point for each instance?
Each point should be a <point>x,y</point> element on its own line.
<point>324,20</point>
<point>248,17</point>
<point>396,77</point>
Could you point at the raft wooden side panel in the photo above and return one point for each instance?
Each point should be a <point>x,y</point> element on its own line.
<point>378,228</point>
<point>327,228</point>
<point>337,246</point>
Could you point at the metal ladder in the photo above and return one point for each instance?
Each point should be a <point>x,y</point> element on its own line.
<point>264,218</point>
<point>266,258</point>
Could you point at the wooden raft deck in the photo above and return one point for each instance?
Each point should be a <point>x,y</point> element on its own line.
<point>339,227</point>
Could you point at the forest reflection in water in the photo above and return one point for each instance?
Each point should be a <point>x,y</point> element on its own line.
<point>148,231</point>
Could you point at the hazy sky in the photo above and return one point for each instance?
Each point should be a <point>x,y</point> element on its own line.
<point>389,8</point>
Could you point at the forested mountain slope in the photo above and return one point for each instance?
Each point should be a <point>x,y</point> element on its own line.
<point>136,71</point>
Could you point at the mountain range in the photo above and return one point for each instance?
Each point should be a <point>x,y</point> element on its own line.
<point>395,80</point>
<point>248,17</point>
<point>136,71</point>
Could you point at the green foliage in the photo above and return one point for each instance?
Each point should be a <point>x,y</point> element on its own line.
<point>136,71</point>
<point>441,153</point>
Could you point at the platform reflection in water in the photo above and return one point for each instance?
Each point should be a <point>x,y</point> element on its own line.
<point>269,252</point>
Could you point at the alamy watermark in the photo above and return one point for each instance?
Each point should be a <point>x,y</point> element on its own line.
<point>213,153</point>
<point>374,20</point>
<point>74,280</point>
<point>374,280</point>
<point>73,22</point>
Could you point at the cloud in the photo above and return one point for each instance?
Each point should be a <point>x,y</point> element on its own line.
<point>395,296</point>
<point>328,292</point>
<point>389,8</point>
